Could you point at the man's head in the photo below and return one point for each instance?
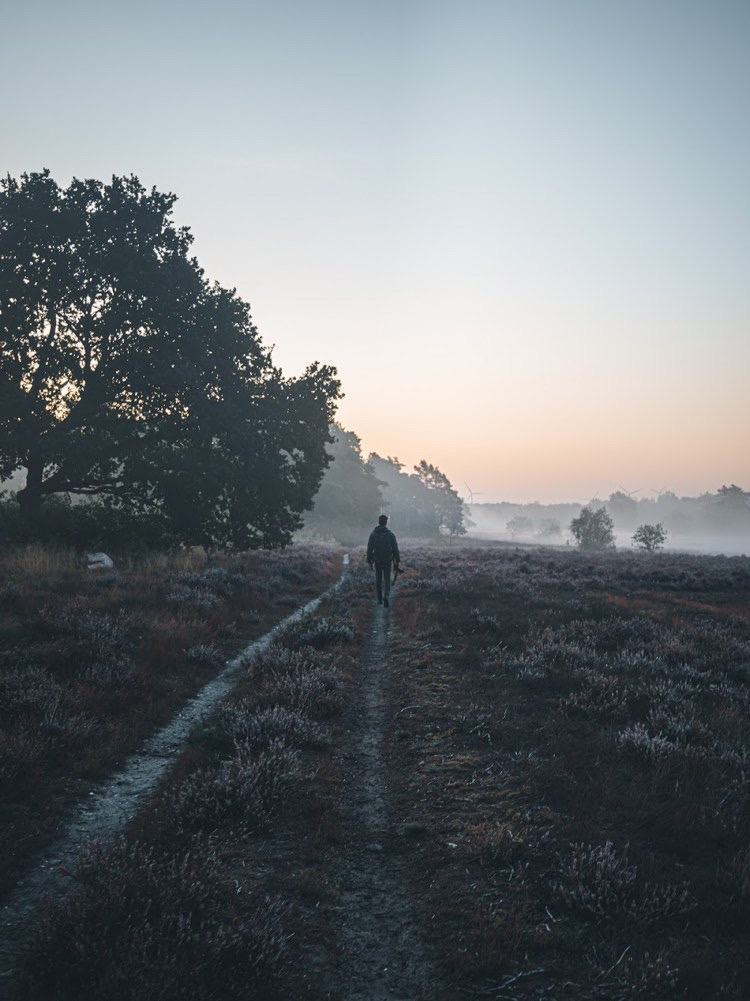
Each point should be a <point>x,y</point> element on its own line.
<point>383,519</point>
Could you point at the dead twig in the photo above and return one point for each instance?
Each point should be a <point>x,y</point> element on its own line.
<point>603,976</point>
<point>520,976</point>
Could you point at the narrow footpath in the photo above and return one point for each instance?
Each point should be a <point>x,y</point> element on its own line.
<point>382,952</point>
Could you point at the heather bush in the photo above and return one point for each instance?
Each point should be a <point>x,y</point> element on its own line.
<point>155,925</point>
<point>194,596</point>
<point>652,979</point>
<point>602,697</point>
<point>598,883</point>
<point>20,751</point>
<point>242,791</point>
<point>317,633</point>
<point>205,653</point>
<point>213,586</point>
<point>243,723</point>
<point>36,711</point>
<point>315,691</point>
<point>95,646</point>
<point>480,622</point>
<point>277,660</point>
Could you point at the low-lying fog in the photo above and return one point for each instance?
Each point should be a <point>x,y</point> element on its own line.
<point>712,523</point>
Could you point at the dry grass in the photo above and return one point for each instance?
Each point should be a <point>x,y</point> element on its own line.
<point>30,562</point>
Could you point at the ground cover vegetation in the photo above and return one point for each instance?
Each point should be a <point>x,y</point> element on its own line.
<point>570,745</point>
<point>91,662</point>
<point>565,745</point>
<point>125,374</point>
<point>214,890</point>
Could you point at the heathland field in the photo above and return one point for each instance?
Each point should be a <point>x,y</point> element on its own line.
<point>526,779</point>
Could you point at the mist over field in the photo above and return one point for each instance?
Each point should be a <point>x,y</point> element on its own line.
<point>693,524</point>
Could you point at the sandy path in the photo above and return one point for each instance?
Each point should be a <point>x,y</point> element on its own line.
<point>116,801</point>
<point>382,952</point>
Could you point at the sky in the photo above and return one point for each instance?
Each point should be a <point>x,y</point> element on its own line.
<point>520,229</point>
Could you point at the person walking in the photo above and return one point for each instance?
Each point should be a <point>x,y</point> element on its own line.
<point>382,550</point>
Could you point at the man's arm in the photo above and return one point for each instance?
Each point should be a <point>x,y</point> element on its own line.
<point>371,548</point>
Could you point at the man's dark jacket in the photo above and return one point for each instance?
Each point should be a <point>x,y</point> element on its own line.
<point>382,546</point>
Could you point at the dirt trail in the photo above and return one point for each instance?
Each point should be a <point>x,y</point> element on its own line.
<point>383,953</point>
<point>115,802</point>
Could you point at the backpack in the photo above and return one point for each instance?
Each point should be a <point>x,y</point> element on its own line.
<point>382,546</point>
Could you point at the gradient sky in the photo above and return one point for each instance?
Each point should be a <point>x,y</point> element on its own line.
<point>520,229</point>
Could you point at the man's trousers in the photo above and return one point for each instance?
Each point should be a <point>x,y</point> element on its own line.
<point>383,580</point>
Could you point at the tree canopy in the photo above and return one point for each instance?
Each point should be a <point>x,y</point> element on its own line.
<point>593,529</point>
<point>422,504</point>
<point>650,537</point>
<point>124,373</point>
<point>349,500</point>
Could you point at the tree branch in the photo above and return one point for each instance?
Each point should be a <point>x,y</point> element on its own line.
<point>38,376</point>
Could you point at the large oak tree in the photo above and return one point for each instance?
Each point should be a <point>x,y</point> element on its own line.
<point>124,373</point>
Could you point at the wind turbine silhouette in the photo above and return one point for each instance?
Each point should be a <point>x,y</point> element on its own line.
<point>629,493</point>
<point>472,493</point>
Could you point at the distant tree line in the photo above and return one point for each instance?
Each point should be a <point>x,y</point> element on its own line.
<point>355,490</point>
<point>723,513</point>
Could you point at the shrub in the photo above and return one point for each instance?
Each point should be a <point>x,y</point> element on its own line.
<point>96,646</point>
<point>193,596</point>
<point>85,525</point>
<point>638,740</point>
<point>37,711</point>
<point>205,653</point>
<point>243,790</point>
<point>601,698</point>
<point>480,622</point>
<point>317,633</point>
<point>312,691</point>
<point>260,728</point>
<point>599,883</point>
<point>154,925</point>
<point>653,979</point>
<point>18,753</point>
<point>277,660</point>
